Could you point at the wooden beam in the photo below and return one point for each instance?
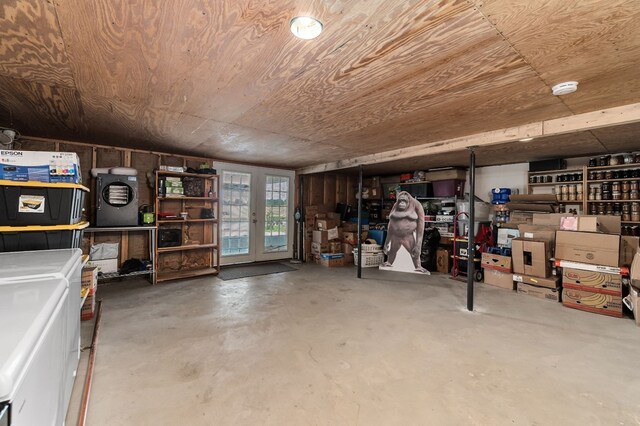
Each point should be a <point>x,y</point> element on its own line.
<point>626,114</point>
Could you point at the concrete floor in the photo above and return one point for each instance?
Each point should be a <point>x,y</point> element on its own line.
<point>318,347</point>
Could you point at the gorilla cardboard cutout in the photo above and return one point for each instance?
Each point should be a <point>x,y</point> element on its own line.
<point>406,229</point>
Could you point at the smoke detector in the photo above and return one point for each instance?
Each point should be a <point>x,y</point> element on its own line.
<point>7,136</point>
<point>564,88</point>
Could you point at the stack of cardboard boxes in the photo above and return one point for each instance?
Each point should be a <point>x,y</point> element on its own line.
<point>331,242</point>
<point>589,256</point>
<point>579,260</point>
<point>532,252</point>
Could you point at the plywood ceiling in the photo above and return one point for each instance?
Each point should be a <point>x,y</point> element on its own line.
<point>225,78</point>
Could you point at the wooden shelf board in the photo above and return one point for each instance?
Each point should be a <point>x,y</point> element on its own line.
<point>189,247</point>
<point>185,220</point>
<point>187,198</point>
<point>168,173</point>
<point>573,182</point>
<point>632,222</point>
<point>613,201</point>
<point>189,273</point>
<point>619,166</point>
<point>611,180</point>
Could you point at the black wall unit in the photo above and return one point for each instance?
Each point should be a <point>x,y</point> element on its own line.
<point>544,165</point>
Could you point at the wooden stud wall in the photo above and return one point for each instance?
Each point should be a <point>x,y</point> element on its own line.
<point>134,245</point>
<point>328,189</point>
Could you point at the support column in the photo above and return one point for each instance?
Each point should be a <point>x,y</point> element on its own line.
<point>471,253</point>
<point>360,223</point>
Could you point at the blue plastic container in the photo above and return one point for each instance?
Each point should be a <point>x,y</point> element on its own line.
<point>379,236</point>
<point>500,195</point>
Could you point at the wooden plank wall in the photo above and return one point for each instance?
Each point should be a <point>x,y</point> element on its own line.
<point>134,245</point>
<point>328,189</point>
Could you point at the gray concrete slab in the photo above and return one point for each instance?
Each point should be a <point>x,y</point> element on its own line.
<point>319,347</point>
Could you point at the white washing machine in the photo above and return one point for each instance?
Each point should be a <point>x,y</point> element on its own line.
<point>54,267</point>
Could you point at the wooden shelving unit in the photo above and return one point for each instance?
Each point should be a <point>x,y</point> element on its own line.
<point>198,253</point>
<point>582,182</point>
<point>596,182</point>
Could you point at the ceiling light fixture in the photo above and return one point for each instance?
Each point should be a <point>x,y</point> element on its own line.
<point>525,139</point>
<point>306,27</point>
<point>564,88</point>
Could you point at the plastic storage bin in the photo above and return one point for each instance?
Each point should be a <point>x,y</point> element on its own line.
<point>25,238</point>
<point>38,203</point>
<point>448,188</point>
<point>500,195</point>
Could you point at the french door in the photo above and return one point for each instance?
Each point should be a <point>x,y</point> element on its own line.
<point>257,214</point>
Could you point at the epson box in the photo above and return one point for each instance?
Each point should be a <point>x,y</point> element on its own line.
<point>40,166</point>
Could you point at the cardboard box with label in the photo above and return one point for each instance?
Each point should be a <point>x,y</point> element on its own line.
<point>531,257</point>
<point>321,237</point>
<point>334,234</point>
<point>539,292</point>
<point>552,282</point>
<point>538,232</point>
<point>332,260</point>
<point>588,247</point>
<point>40,166</point>
<point>498,279</point>
<point>90,278</point>
<point>505,236</point>
<point>497,262</point>
<point>597,303</point>
<point>597,282</point>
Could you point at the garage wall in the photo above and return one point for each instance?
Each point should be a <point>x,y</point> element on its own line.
<point>328,189</point>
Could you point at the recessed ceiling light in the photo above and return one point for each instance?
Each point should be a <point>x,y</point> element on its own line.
<point>564,88</point>
<point>525,139</point>
<point>306,27</point>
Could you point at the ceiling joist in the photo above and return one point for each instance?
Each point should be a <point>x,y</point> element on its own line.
<point>610,117</point>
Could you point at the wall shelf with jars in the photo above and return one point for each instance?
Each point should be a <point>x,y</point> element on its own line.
<point>613,188</point>
<point>567,185</point>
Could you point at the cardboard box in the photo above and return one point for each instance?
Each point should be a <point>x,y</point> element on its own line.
<point>40,166</point>
<point>334,234</point>
<point>347,248</point>
<point>105,266</point>
<point>607,224</point>
<point>506,235</point>
<point>321,237</point>
<point>549,282</point>
<point>628,249</point>
<point>498,279</point>
<point>538,232</point>
<point>597,303</point>
<point>326,224</point>
<point>318,248</point>
<point>88,308</point>
<point>517,217</point>
<point>350,227</point>
<point>332,263</point>
<point>348,259</point>
<point>352,237</point>
<point>90,278</point>
<point>443,260</point>
<point>597,282</point>
<point>588,247</point>
<point>539,292</point>
<point>633,303</point>
<point>334,216</point>
<point>531,257</point>
<point>497,262</point>
<point>335,246</point>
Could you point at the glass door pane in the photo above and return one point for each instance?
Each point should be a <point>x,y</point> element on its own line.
<point>236,213</point>
<point>276,214</point>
